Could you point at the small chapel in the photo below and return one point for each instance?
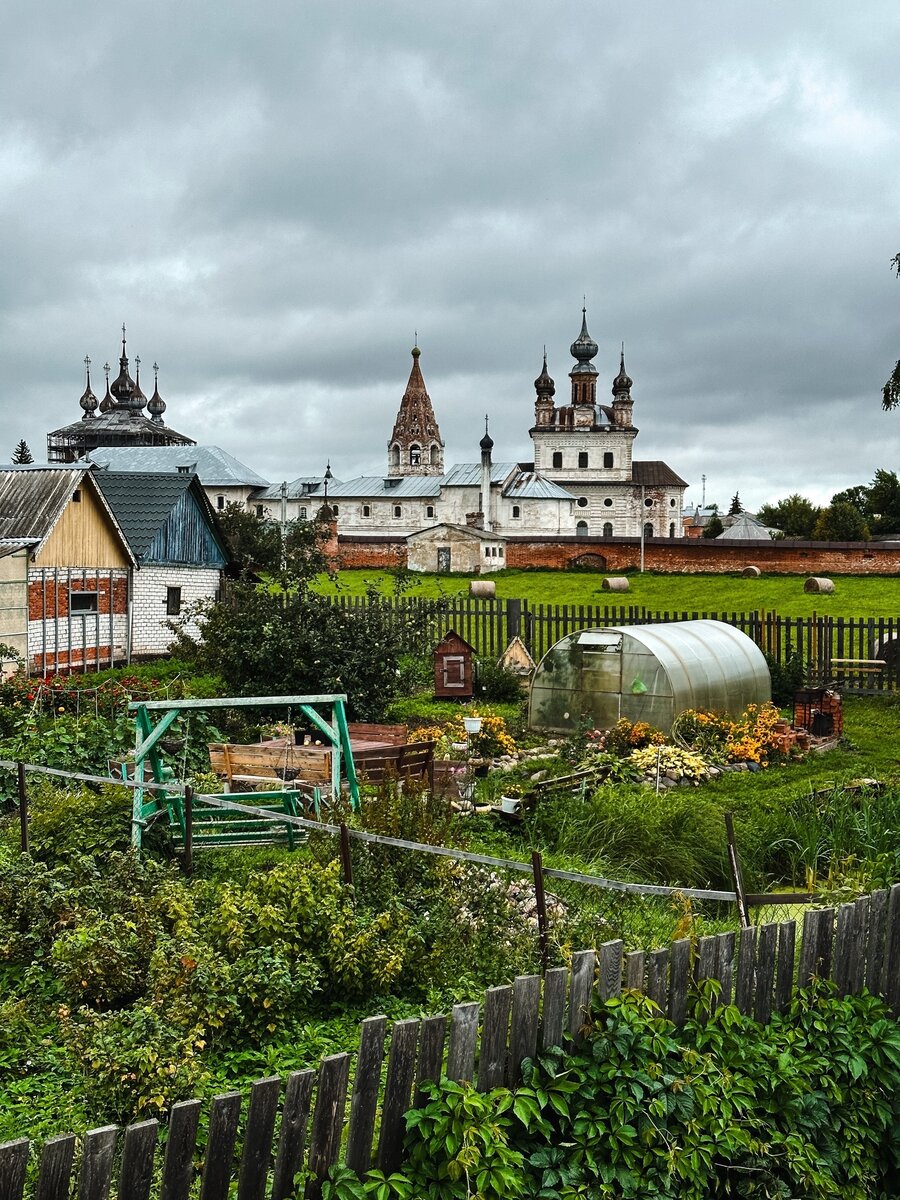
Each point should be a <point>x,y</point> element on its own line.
<point>118,419</point>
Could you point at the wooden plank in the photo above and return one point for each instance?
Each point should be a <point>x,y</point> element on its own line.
<point>366,1087</point>
<point>825,945</point>
<point>97,1163</point>
<point>328,1119</point>
<point>55,1175</point>
<point>494,1038</point>
<point>878,906</point>
<point>523,1040</point>
<point>765,972</point>
<point>397,1090</point>
<point>657,989</point>
<point>553,1009</point>
<point>679,980</point>
<point>463,1035</point>
<point>13,1161</point>
<point>890,985</point>
<point>265,1095</point>
<point>808,948</point>
<point>581,990</point>
<point>746,970</point>
<point>725,965</point>
<point>178,1167</point>
<point>138,1155</point>
<point>784,970</point>
<point>432,1036</point>
<point>610,970</point>
<point>218,1162</point>
<point>858,940</point>
<point>634,971</point>
<point>843,949</point>
<point>292,1138</point>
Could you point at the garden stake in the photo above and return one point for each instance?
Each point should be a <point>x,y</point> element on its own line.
<point>538,868</point>
<point>23,807</point>
<point>189,829</point>
<point>346,862</point>
<point>736,873</point>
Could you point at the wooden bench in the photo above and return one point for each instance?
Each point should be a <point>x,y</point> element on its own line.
<point>391,735</point>
<point>413,760</point>
<point>262,763</point>
<point>843,665</point>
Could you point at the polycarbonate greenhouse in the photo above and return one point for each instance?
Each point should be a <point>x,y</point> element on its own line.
<point>646,673</point>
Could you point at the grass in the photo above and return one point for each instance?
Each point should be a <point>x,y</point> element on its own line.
<point>854,595</point>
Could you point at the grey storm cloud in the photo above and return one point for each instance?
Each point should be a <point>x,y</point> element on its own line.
<point>275,196</point>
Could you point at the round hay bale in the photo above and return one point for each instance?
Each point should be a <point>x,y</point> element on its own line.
<point>818,583</point>
<point>751,572</point>
<point>485,588</point>
<point>615,583</point>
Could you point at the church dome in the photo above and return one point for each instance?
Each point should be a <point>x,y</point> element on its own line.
<point>544,385</point>
<point>623,381</point>
<point>88,400</point>
<point>138,399</point>
<point>584,348</point>
<point>156,406</point>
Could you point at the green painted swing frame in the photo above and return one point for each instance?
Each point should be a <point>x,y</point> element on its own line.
<point>148,804</point>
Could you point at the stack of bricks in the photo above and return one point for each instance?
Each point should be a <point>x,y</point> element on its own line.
<point>831,704</point>
<point>784,737</point>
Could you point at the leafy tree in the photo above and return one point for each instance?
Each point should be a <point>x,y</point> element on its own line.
<point>841,522</point>
<point>256,546</point>
<point>858,496</point>
<point>736,507</point>
<point>882,506</point>
<point>890,393</point>
<point>795,516</point>
<point>22,454</point>
<point>713,526</point>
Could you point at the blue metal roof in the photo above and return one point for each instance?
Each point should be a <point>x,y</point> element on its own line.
<point>215,466</point>
<point>529,485</point>
<point>377,486</point>
<point>469,474</point>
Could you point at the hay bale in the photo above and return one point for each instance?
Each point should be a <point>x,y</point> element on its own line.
<point>818,583</point>
<point>615,583</point>
<point>751,572</point>
<point>485,588</point>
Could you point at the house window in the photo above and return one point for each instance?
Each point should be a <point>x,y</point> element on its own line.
<point>608,459</point>
<point>334,509</point>
<point>367,510</point>
<point>76,496</point>
<point>607,529</point>
<point>302,514</point>
<point>260,510</point>
<point>184,470</point>
<point>499,551</point>
<point>607,503</point>
<point>415,455</point>
<point>429,510</point>
<point>220,502</point>
<point>582,458</point>
<point>398,510</point>
<point>487,552</point>
<point>516,512</point>
<point>581,529</point>
<point>648,530</point>
<point>84,602</point>
<point>557,458</point>
<point>173,601</point>
<point>582,502</point>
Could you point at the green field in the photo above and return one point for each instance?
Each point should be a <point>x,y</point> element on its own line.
<point>854,595</point>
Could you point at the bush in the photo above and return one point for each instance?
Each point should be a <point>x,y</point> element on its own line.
<point>497,685</point>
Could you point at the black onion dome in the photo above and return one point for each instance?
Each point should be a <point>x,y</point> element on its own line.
<point>123,386</point>
<point>88,400</point>
<point>544,385</point>
<point>584,348</point>
<point>156,406</point>
<point>138,399</point>
<point>623,381</point>
<point>487,442</point>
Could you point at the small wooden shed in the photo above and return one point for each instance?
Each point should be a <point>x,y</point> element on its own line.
<point>453,673</point>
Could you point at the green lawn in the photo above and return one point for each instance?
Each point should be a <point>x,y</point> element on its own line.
<point>854,595</point>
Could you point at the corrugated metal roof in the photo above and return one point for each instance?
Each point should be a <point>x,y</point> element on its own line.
<point>375,486</point>
<point>655,474</point>
<point>298,489</point>
<point>31,500</point>
<point>529,485</point>
<point>10,546</point>
<point>215,466</point>
<point>469,474</point>
<point>483,535</point>
<point>746,528</point>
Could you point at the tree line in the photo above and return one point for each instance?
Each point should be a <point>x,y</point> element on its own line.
<point>854,515</point>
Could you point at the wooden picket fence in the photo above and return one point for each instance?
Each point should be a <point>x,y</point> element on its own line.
<point>857,946</point>
<point>840,649</point>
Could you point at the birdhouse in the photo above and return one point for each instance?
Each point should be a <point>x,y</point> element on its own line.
<point>453,674</point>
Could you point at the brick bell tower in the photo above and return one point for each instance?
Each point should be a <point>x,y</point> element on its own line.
<point>416,447</point>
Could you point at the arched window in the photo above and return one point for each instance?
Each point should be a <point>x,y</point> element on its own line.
<point>581,529</point>
<point>648,530</point>
<point>220,502</point>
<point>608,459</point>
<point>334,509</point>
<point>367,510</point>
<point>429,510</point>
<point>607,529</point>
<point>398,511</point>
<point>395,455</point>
<point>671,529</point>
<point>557,458</point>
<point>516,512</point>
<point>302,514</point>
<point>415,455</point>
<point>435,454</point>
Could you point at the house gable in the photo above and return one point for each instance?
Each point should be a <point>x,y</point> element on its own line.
<point>186,537</point>
<point>84,534</point>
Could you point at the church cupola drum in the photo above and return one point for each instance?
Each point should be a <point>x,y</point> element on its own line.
<point>416,447</point>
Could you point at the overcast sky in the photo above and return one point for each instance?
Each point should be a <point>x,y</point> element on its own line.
<point>274,196</point>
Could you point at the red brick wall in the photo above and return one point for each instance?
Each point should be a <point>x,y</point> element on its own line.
<point>50,597</point>
<point>660,554</point>
<point>61,661</point>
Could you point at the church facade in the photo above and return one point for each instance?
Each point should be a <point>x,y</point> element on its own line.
<point>583,481</point>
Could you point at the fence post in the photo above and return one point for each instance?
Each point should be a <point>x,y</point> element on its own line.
<point>736,873</point>
<point>513,619</point>
<point>23,807</point>
<point>538,869</point>
<point>189,829</point>
<point>346,861</point>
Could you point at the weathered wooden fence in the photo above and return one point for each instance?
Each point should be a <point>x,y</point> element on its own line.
<point>831,648</point>
<point>325,1120</point>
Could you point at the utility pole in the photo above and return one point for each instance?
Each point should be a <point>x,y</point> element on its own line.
<point>703,496</point>
<point>642,528</point>
<point>283,523</point>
